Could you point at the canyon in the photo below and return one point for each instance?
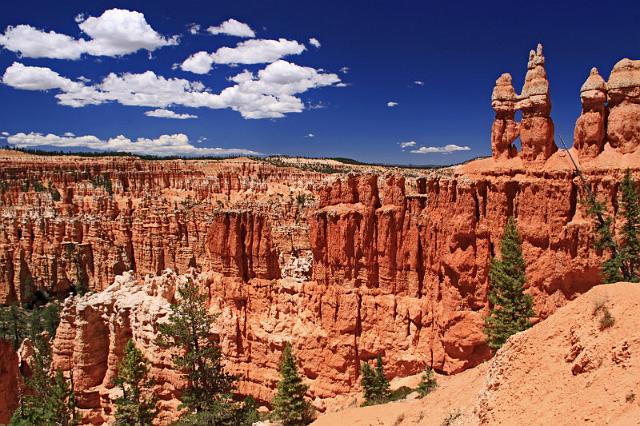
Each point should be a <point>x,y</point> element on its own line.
<point>346,265</point>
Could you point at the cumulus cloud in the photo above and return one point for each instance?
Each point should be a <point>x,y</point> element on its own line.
<point>23,77</point>
<point>309,135</point>
<point>164,145</point>
<point>269,93</point>
<point>233,28</point>
<point>193,28</point>
<point>314,42</point>
<point>344,70</point>
<point>198,63</point>
<point>408,144</point>
<point>440,149</point>
<point>248,52</point>
<point>165,113</point>
<point>418,83</point>
<point>392,104</point>
<point>116,32</point>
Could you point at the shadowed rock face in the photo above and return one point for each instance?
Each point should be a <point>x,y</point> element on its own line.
<point>9,375</point>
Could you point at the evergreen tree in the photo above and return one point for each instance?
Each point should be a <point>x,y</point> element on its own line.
<point>13,324</point>
<point>511,308</point>
<point>208,393</point>
<point>630,252</point>
<point>374,383</point>
<point>428,383</point>
<point>289,405</point>
<point>133,408</point>
<point>381,381</point>
<point>624,261</point>
<point>51,400</point>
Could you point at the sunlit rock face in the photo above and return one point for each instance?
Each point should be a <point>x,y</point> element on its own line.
<point>623,94</point>
<point>590,133</point>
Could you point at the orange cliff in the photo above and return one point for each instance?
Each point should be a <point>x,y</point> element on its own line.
<point>344,266</point>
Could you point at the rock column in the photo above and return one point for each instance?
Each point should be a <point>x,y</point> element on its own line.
<point>589,134</point>
<point>505,130</point>
<point>536,127</point>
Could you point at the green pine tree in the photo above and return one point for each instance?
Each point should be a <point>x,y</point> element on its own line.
<point>374,383</point>
<point>208,394</point>
<point>367,381</point>
<point>133,408</point>
<point>289,405</point>
<point>13,324</point>
<point>630,251</point>
<point>511,308</point>
<point>381,381</point>
<point>427,383</point>
<point>51,400</point>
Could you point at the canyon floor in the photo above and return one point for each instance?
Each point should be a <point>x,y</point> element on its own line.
<point>566,370</point>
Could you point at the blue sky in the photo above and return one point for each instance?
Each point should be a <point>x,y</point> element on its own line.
<point>457,49</point>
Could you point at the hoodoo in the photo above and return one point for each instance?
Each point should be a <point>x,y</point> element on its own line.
<point>536,127</point>
<point>590,133</point>
<point>623,90</point>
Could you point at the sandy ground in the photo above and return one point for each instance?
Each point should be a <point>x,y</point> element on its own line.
<point>567,370</point>
<point>454,394</point>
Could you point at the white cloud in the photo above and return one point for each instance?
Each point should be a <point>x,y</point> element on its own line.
<point>408,144</point>
<point>344,70</point>
<point>247,52</point>
<point>314,42</point>
<point>120,32</point>
<point>392,104</point>
<point>198,63</point>
<point>5,133</point>
<point>270,93</point>
<point>69,134</point>
<point>193,28</point>
<point>165,113</point>
<point>418,83</point>
<point>31,42</point>
<point>177,144</point>
<point>310,135</point>
<point>20,76</point>
<point>116,32</point>
<point>233,28</point>
<point>440,149</point>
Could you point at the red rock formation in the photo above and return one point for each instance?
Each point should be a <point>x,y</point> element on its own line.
<point>623,89</point>
<point>536,127</point>
<point>9,381</point>
<point>589,135</point>
<point>504,130</point>
<point>93,333</point>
